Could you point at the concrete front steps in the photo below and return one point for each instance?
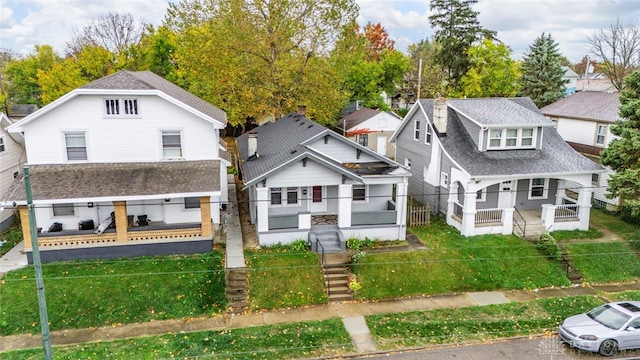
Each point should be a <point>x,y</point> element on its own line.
<point>532,231</point>
<point>336,276</point>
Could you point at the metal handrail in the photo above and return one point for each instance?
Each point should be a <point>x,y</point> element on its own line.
<point>522,228</point>
<point>323,260</point>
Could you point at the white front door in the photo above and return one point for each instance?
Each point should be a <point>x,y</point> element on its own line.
<point>505,196</point>
<point>318,199</point>
<point>382,145</point>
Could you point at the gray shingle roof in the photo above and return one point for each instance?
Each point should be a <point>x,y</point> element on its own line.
<point>597,106</point>
<point>72,181</point>
<point>499,112</point>
<point>357,117</point>
<point>147,80</point>
<point>556,156</point>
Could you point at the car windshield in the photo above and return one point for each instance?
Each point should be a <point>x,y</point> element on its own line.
<point>609,316</point>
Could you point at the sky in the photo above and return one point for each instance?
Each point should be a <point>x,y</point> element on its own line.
<point>25,23</point>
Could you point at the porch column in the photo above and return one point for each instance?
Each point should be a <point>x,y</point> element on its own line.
<point>507,221</point>
<point>401,203</point>
<point>584,207</point>
<point>262,197</point>
<point>120,208</point>
<point>345,196</point>
<point>205,216</point>
<point>469,214</point>
<point>453,198</point>
<point>25,226</point>
<point>560,193</point>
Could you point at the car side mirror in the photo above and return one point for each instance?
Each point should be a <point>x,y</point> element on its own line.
<point>631,328</point>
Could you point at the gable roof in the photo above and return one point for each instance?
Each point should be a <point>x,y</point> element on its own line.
<point>5,122</point>
<point>586,105</point>
<point>500,112</point>
<point>283,141</point>
<point>363,114</point>
<point>138,82</point>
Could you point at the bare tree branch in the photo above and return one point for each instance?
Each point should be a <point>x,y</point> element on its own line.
<point>114,32</point>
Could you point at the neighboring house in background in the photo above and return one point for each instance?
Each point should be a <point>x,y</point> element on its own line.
<point>12,157</point>
<point>584,120</point>
<point>572,76</point>
<point>126,146</point>
<point>595,82</point>
<point>307,182</point>
<point>372,129</point>
<point>494,166</point>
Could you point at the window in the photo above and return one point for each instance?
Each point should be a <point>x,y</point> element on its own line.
<point>363,139</point>
<point>407,163</point>
<point>112,107</point>
<point>171,144</point>
<point>292,195</point>
<point>76,146</point>
<point>511,138</point>
<point>427,134</point>
<point>595,179</point>
<point>495,138</point>
<point>527,137</point>
<point>359,192</point>
<point>416,130</point>
<point>192,203</point>
<point>276,196</point>
<point>130,106</point>
<point>444,179</point>
<point>63,210</point>
<point>600,137</point>
<point>2,147</point>
<point>538,188</point>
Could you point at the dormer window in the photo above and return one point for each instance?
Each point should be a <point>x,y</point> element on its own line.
<point>511,139</point>
<point>115,107</point>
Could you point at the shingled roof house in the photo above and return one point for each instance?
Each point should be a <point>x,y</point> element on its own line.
<point>494,166</point>
<point>372,129</point>
<point>129,147</point>
<point>584,121</point>
<point>308,182</point>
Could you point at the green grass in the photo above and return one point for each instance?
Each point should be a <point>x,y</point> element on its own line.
<point>96,293</point>
<point>290,341</point>
<point>280,278</point>
<point>13,235</point>
<point>564,235</point>
<point>421,328</point>
<point>612,223</point>
<point>604,262</point>
<point>454,263</point>
<point>627,295</point>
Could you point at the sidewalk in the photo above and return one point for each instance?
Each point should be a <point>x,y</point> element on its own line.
<point>14,259</point>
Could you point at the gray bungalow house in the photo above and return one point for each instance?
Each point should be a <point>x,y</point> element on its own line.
<point>307,182</point>
<point>494,166</point>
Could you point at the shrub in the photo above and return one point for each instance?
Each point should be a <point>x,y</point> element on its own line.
<point>354,284</point>
<point>355,261</point>
<point>628,216</point>
<point>299,245</point>
<point>548,246</point>
<point>354,243</point>
<point>634,241</point>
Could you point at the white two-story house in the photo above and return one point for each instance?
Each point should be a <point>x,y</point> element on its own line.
<point>12,156</point>
<point>127,165</point>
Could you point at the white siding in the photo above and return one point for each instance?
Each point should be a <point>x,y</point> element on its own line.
<point>11,161</point>
<point>340,151</point>
<point>380,122</point>
<point>123,139</point>
<point>298,175</point>
<point>581,131</point>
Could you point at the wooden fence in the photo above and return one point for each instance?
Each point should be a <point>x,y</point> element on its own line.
<point>419,214</point>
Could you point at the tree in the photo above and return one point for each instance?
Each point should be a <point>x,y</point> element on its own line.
<point>114,32</point>
<point>22,75</point>
<point>433,78</point>
<point>542,74</point>
<point>492,72</point>
<point>623,154</point>
<point>618,48</point>
<point>457,30</point>
<point>378,40</point>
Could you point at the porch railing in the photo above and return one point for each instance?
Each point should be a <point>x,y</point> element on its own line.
<point>283,222</point>
<point>567,211</point>
<point>485,216</point>
<point>519,222</point>
<point>457,210</point>
<point>373,217</point>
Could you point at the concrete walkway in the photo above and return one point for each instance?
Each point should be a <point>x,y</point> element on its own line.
<point>14,259</point>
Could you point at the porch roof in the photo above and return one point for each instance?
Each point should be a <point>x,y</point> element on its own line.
<point>99,180</point>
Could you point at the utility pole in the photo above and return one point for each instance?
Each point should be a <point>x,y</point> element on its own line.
<point>37,264</point>
<point>419,79</point>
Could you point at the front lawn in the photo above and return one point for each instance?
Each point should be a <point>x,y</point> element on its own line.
<point>420,328</point>
<point>281,277</point>
<point>84,294</point>
<point>604,262</point>
<point>454,263</point>
<point>612,223</point>
<point>12,235</point>
<point>289,341</point>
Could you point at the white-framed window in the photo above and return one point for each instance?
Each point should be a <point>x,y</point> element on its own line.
<point>481,195</point>
<point>538,188</point>
<point>293,195</point>
<point>171,144</point>
<point>363,139</point>
<point>116,107</point>
<point>595,179</point>
<point>289,197</point>
<point>2,145</point>
<point>76,146</point>
<point>407,163</point>
<point>444,179</point>
<point>192,203</point>
<point>63,210</point>
<point>427,134</point>
<point>275,194</point>
<point>511,138</point>
<point>359,192</point>
<point>416,130</point>
<point>601,135</point>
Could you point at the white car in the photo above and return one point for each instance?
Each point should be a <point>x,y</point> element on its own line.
<point>605,329</point>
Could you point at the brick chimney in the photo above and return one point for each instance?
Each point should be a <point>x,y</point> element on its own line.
<point>252,145</point>
<point>302,110</point>
<point>440,115</point>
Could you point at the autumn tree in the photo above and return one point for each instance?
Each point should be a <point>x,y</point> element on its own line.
<point>623,153</point>
<point>457,29</point>
<point>618,48</point>
<point>492,72</point>
<point>433,78</point>
<point>542,75</point>
<point>378,40</point>
<point>22,75</point>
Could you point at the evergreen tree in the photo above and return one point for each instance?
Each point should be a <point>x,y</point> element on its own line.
<point>623,154</point>
<point>457,30</point>
<point>542,73</point>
